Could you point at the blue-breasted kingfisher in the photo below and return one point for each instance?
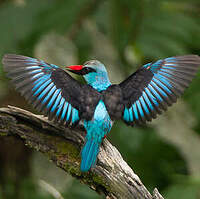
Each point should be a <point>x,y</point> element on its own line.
<point>139,98</point>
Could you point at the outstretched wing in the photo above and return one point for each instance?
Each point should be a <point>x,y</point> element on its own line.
<point>50,89</point>
<point>155,86</point>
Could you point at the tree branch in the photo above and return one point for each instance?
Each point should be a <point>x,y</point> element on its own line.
<point>111,177</point>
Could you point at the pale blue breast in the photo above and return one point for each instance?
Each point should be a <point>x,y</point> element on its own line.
<point>98,81</point>
<point>101,123</point>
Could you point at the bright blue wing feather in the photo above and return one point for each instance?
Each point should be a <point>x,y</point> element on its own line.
<point>64,111</point>
<point>53,97</point>
<point>162,84</point>
<point>33,78</point>
<point>126,115</point>
<point>75,116</point>
<point>131,114</point>
<point>170,77</point>
<point>40,86</point>
<point>159,89</point>
<point>140,108</point>
<point>135,111</point>
<point>69,110</point>
<point>143,104</point>
<point>157,96</point>
<point>60,107</point>
<point>43,81</point>
<point>56,102</point>
<point>48,92</point>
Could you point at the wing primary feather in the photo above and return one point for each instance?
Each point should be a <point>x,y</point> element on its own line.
<point>44,96</point>
<point>175,84</point>
<point>163,94</point>
<point>53,98</point>
<point>135,112</point>
<point>180,68</point>
<point>41,87</point>
<point>55,106</point>
<point>68,115</point>
<point>181,81</point>
<point>173,91</point>
<point>64,112</point>
<point>40,81</point>
<point>163,79</point>
<point>140,111</point>
<point>149,104</point>
<point>75,117</point>
<point>34,95</point>
<point>131,114</point>
<point>180,74</point>
<point>27,82</point>
<point>153,100</point>
<point>162,85</point>
<point>17,71</point>
<point>145,108</point>
<point>126,115</point>
<point>60,107</point>
<point>156,94</point>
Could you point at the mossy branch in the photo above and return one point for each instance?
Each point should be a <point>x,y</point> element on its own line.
<point>111,176</point>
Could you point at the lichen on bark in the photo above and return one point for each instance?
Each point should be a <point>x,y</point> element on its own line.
<point>112,176</point>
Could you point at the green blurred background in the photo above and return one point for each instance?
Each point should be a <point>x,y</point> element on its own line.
<point>124,35</point>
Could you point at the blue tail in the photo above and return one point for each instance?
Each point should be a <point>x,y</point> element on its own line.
<point>89,154</point>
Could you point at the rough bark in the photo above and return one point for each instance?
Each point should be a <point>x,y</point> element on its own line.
<point>112,176</point>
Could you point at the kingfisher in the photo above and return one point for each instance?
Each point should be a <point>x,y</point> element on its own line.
<point>139,98</point>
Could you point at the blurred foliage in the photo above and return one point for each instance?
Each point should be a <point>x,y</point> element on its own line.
<point>125,34</point>
<point>147,154</point>
<point>184,187</point>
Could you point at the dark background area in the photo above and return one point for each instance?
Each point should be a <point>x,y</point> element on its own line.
<point>124,35</point>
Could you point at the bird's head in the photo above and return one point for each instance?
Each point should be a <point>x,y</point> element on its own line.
<point>94,73</point>
<point>88,67</point>
<point>90,70</point>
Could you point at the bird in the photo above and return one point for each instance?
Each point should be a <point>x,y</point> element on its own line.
<point>98,103</point>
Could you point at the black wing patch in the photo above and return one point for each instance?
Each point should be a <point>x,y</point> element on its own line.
<point>156,86</point>
<point>50,89</point>
<point>113,100</point>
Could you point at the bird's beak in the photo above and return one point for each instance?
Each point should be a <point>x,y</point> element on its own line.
<point>75,69</point>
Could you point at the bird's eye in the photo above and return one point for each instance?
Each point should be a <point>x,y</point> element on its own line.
<point>87,70</point>
<point>91,70</point>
